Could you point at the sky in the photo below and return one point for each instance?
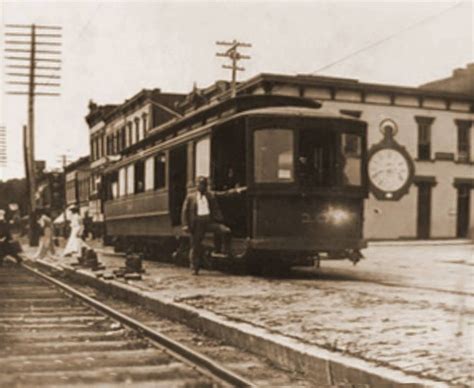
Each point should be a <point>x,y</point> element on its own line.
<point>113,49</point>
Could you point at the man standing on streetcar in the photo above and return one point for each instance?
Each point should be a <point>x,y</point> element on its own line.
<point>201,214</point>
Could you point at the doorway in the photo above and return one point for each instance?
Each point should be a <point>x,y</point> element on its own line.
<point>424,210</point>
<point>463,210</point>
<point>178,180</point>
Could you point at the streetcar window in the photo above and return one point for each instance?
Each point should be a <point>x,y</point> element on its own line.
<point>130,179</point>
<point>273,155</point>
<point>122,181</point>
<point>149,173</point>
<point>351,150</point>
<point>228,157</point>
<point>203,157</point>
<point>160,171</point>
<point>139,177</point>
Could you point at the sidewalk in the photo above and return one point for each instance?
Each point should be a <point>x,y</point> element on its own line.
<point>339,328</point>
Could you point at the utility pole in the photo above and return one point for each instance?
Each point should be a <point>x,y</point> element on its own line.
<point>25,43</point>
<point>235,56</point>
<point>64,160</point>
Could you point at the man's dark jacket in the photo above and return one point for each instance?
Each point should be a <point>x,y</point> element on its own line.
<point>5,239</point>
<point>189,210</point>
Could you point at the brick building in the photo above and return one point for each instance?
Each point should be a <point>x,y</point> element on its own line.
<point>77,177</point>
<point>114,128</point>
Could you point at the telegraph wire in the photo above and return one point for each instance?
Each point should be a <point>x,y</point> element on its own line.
<point>389,37</point>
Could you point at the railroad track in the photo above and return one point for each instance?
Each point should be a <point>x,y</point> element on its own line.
<point>54,335</point>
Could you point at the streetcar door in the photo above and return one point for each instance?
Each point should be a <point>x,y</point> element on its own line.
<point>177,183</point>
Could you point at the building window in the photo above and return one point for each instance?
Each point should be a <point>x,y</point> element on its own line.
<point>424,137</point>
<point>130,133</point>
<point>101,146</point>
<point>93,149</point>
<point>114,144</point>
<point>464,140</point>
<point>160,171</point>
<point>117,142</point>
<point>139,177</point>
<point>109,145</point>
<point>95,146</point>
<point>145,122</point>
<point>123,143</point>
<point>137,130</point>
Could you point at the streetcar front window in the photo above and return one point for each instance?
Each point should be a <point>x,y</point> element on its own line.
<point>328,158</point>
<point>317,158</point>
<point>273,156</point>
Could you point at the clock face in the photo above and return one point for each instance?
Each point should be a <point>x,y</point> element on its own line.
<point>388,170</point>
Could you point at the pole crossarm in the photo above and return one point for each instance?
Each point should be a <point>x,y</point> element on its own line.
<point>238,68</point>
<point>15,93</point>
<point>44,27</point>
<point>233,43</point>
<point>14,50</point>
<point>36,59</point>
<point>36,83</point>
<point>36,67</point>
<point>29,35</point>
<point>29,43</point>
<point>36,75</point>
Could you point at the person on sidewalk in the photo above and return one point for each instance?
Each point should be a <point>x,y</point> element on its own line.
<point>201,214</point>
<point>46,244</point>
<point>75,242</point>
<point>8,247</point>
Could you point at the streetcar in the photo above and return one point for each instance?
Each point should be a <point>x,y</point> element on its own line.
<point>290,180</point>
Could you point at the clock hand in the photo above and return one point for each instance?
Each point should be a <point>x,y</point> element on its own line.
<point>377,173</point>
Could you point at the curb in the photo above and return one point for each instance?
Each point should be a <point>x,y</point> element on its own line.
<point>322,366</point>
<point>414,243</point>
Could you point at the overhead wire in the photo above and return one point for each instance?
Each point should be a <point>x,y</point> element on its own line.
<point>389,37</point>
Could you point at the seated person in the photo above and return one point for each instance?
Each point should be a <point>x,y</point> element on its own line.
<point>8,247</point>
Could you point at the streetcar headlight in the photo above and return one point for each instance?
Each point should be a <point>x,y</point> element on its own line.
<point>337,216</point>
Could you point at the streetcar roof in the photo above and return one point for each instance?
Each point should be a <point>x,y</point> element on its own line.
<point>292,111</point>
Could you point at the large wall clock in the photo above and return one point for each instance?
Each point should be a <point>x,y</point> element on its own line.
<point>390,167</point>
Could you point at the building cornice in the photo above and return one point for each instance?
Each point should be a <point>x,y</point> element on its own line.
<point>348,84</point>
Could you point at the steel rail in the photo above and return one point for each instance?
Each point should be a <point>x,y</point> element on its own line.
<point>196,360</point>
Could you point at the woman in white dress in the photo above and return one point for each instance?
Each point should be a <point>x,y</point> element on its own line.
<point>46,244</point>
<point>75,242</point>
